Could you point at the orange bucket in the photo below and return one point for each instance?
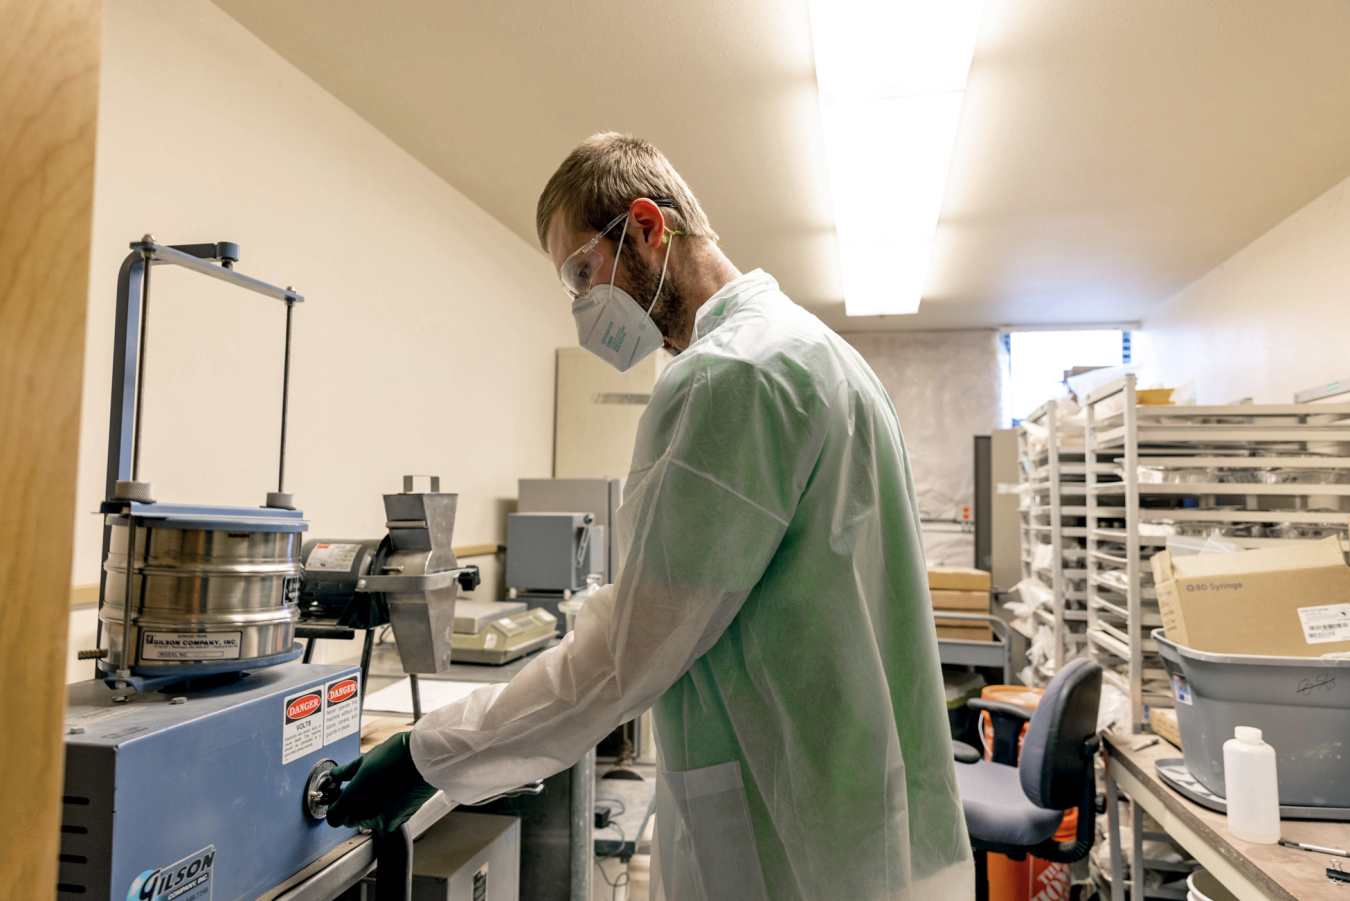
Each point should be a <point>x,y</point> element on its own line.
<point>1020,695</point>
<point>1029,879</point>
<point>1033,879</point>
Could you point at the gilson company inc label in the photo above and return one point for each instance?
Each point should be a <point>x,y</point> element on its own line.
<point>187,880</point>
<point>342,709</point>
<point>190,645</point>
<point>302,724</point>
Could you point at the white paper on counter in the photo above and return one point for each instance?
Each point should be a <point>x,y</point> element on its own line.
<point>397,698</point>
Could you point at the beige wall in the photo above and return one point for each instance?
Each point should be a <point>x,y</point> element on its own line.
<point>427,340</point>
<point>1272,320</point>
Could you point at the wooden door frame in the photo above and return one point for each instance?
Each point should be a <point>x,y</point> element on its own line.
<point>50,52</point>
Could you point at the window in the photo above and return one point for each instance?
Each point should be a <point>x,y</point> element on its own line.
<point>1038,360</point>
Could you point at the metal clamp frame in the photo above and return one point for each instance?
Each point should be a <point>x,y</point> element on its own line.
<point>128,374</point>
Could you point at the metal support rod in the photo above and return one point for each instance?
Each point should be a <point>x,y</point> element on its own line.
<point>582,845</point>
<point>1113,830</point>
<point>1137,888</point>
<point>140,364</point>
<point>366,648</point>
<point>285,396</point>
<point>124,670</point>
<point>416,690</point>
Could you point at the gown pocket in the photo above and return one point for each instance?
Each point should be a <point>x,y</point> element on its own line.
<point>705,839</point>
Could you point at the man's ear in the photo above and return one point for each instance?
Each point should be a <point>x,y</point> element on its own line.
<point>647,216</point>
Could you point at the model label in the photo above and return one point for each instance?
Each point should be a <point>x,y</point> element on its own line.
<point>187,880</point>
<point>480,883</point>
<point>1330,622</point>
<point>302,726</point>
<point>191,645</point>
<point>333,557</point>
<point>97,716</point>
<point>342,709</point>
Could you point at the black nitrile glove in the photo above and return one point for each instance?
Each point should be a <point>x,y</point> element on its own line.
<point>385,788</point>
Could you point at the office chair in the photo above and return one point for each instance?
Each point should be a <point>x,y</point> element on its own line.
<point>1014,808</point>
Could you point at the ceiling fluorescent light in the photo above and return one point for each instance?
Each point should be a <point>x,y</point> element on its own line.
<point>892,75</point>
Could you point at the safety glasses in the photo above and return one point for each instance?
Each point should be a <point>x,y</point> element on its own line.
<point>579,270</point>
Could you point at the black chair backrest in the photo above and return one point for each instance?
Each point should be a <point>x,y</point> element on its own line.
<point>1053,765</point>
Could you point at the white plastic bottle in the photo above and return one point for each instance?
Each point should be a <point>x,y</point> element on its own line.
<point>1253,794</point>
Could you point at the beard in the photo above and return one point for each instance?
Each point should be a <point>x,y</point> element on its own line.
<point>669,311</point>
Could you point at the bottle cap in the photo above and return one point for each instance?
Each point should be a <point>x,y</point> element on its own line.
<point>1249,734</point>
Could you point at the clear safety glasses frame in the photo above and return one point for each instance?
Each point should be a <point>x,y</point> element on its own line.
<point>579,269</point>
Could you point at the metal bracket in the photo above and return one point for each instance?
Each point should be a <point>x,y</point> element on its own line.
<point>407,584</point>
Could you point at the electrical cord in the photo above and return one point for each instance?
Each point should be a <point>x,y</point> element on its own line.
<point>623,878</point>
<point>622,808</point>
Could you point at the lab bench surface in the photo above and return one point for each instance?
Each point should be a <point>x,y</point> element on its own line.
<point>1252,872</point>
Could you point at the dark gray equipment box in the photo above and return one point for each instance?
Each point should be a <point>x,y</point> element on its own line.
<point>553,551</point>
<point>601,497</point>
<point>468,857</point>
<point>201,799</point>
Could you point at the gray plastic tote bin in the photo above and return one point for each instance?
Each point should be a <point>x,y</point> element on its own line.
<point>1300,704</point>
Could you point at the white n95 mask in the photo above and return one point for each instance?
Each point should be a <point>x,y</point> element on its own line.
<point>611,324</point>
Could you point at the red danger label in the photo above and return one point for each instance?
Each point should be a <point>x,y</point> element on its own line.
<point>341,691</point>
<point>303,707</point>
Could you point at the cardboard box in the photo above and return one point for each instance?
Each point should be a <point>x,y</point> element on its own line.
<point>957,578</point>
<point>965,631</point>
<point>1163,722</point>
<point>1281,601</point>
<point>965,601</point>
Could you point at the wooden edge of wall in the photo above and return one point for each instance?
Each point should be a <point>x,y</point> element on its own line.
<point>49,66</point>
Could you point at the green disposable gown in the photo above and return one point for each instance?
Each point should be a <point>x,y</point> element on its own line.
<point>771,606</point>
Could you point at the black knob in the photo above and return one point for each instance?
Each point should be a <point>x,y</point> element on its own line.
<point>469,579</point>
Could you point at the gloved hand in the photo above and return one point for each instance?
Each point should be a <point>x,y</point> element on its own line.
<point>385,788</point>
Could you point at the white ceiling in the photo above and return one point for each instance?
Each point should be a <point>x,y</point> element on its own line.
<point>1110,153</point>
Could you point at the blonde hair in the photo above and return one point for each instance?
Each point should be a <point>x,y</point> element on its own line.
<point>604,175</point>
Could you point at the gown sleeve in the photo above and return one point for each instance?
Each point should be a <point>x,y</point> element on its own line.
<point>722,458</point>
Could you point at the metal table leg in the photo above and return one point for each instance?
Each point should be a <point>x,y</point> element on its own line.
<point>583,826</point>
<point>1137,861</point>
<point>1113,830</point>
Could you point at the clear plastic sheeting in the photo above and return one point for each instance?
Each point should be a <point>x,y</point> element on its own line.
<point>1188,545</point>
<point>946,388</point>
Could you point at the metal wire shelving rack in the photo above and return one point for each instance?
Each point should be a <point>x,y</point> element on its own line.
<point>1260,475</point>
<point>1054,533</point>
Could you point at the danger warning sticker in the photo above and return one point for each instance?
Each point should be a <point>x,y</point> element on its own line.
<point>302,728</point>
<point>342,709</point>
